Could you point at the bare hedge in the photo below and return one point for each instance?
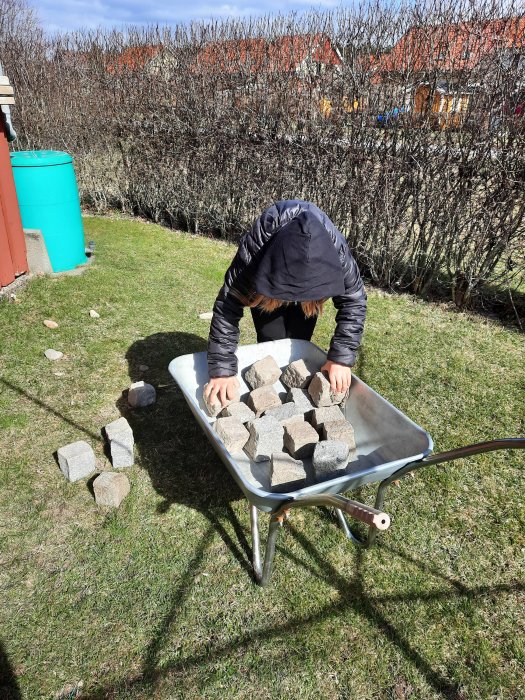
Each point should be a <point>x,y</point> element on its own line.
<point>203,125</point>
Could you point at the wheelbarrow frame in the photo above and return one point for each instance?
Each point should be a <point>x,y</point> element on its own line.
<point>404,447</point>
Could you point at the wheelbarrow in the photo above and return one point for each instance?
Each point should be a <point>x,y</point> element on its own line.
<point>388,446</point>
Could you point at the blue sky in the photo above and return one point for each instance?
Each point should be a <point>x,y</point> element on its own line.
<point>65,15</point>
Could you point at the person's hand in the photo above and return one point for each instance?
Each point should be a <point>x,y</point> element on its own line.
<point>340,376</point>
<point>223,388</point>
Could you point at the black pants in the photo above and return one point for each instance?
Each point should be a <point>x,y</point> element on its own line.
<point>285,322</point>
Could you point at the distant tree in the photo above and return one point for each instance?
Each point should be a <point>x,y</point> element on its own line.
<point>19,23</point>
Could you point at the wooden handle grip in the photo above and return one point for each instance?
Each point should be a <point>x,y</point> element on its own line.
<point>367,515</point>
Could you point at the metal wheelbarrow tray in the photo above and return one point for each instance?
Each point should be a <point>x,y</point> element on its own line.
<point>388,445</point>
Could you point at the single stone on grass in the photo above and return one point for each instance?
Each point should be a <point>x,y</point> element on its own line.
<point>239,410</point>
<point>285,469</point>
<point>94,314</point>
<point>141,394</point>
<point>329,456</point>
<point>285,412</point>
<point>266,437</point>
<point>300,439</point>
<point>264,372</point>
<point>110,489</point>
<point>325,414</point>
<point>260,400</point>
<point>321,392</point>
<point>215,407</point>
<point>50,324</point>
<point>340,430</point>
<point>206,316</point>
<point>232,432</point>
<point>296,375</point>
<point>76,460</point>
<point>53,354</point>
<point>120,437</point>
<point>301,399</point>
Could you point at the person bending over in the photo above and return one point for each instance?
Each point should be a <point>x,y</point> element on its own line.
<point>288,264</point>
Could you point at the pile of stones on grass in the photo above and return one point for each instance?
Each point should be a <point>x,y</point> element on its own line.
<point>310,423</point>
<point>77,460</point>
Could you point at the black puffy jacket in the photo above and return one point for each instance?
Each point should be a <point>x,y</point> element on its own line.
<point>228,309</point>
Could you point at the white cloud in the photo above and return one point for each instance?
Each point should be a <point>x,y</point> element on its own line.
<point>67,15</point>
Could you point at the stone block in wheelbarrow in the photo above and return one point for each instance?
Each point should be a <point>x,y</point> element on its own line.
<point>264,372</point>
<point>260,400</point>
<point>300,439</point>
<point>330,456</point>
<point>232,432</point>
<point>339,430</point>
<point>238,409</point>
<point>385,438</point>
<point>266,437</point>
<point>321,392</point>
<point>285,470</point>
<point>325,414</point>
<point>296,375</point>
<point>285,412</point>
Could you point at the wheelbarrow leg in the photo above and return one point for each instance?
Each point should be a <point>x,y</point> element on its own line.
<point>256,548</point>
<point>343,523</point>
<point>372,531</point>
<point>345,527</point>
<point>262,573</point>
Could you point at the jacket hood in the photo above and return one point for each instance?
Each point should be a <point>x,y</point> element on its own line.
<point>299,263</point>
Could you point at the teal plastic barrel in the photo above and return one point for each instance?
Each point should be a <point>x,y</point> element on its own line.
<point>47,193</point>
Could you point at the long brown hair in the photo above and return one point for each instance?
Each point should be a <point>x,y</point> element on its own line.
<point>310,308</point>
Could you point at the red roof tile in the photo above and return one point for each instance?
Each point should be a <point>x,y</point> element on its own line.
<point>283,54</point>
<point>133,58</point>
<point>453,46</point>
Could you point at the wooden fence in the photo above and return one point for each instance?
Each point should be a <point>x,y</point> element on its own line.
<point>13,256</point>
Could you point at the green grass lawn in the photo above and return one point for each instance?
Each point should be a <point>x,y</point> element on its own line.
<point>155,599</point>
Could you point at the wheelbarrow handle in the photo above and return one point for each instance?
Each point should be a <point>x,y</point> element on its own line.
<point>451,455</point>
<point>368,515</point>
<point>477,448</point>
<point>439,458</point>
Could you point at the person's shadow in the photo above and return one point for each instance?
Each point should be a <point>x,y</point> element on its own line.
<point>9,689</point>
<point>172,447</point>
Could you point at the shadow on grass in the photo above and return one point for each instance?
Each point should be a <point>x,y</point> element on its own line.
<point>9,689</point>
<point>179,595</point>
<point>47,407</point>
<point>353,598</point>
<point>184,469</point>
<point>172,448</point>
